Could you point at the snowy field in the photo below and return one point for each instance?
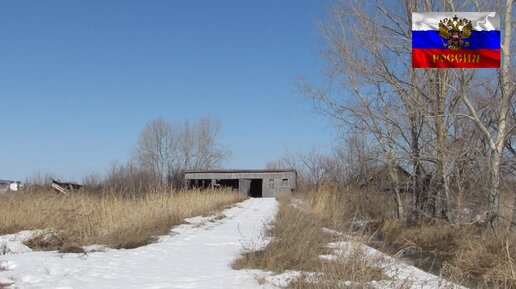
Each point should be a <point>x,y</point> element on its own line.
<point>195,255</point>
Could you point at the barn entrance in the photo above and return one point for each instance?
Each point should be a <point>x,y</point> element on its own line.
<point>228,183</point>
<point>255,190</point>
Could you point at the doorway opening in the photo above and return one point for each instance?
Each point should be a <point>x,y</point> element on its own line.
<point>255,190</point>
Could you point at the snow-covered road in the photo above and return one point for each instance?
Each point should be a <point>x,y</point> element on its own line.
<point>196,255</point>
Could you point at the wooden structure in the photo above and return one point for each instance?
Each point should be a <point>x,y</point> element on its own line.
<point>254,183</point>
<point>65,188</point>
<point>378,177</point>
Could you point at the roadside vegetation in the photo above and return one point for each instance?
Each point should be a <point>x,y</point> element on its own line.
<point>425,162</point>
<point>131,205</point>
<point>298,241</point>
<point>467,254</point>
<point>71,221</point>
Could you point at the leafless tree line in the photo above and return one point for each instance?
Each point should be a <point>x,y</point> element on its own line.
<point>167,149</point>
<point>164,150</point>
<point>453,129</point>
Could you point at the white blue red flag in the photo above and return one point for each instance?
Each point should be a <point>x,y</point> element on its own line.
<point>455,40</point>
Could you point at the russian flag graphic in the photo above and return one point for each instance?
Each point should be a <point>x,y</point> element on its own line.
<point>455,40</point>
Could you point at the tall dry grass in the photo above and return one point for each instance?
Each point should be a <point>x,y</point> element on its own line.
<point>490,259</point>
<point>467,254</point>
<point>297,243</point>
<point>464,253</point>
<point>342,208</point>
<point>112,220</point>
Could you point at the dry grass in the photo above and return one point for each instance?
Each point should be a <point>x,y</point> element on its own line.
<point>342,208</point>
<point>297,243</point>
<point>443,240</point>
<point>466,254</point>
<point>118,222</point>
<point>489,258</point>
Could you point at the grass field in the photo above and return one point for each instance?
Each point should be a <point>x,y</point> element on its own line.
<point>467,254</point>
<point>118,222</point>
<point>297,242</point>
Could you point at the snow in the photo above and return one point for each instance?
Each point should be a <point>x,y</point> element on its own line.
<point>13,243</point>
<point>95,248</point>
<point>195,255</point>
<point>399,272</point>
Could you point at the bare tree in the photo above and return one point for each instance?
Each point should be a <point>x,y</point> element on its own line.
<point>367,58</point>
<point>290,160</point>
<point>313,167</point>
<point>168,149</point>
<point>209,154</point>
<point>416,117</point>
<point>497,138</point>
<point>156,149</point>
<point>357,158</point>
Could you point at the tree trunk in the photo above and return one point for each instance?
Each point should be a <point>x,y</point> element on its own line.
<point>440,127</point>
<point>512,226</point>
<point>418,201</point>
<point>396,188</point>
<point>507,94</point>
<point>501,138</point>
<point>441,200</point>
<point>415,133</point>
<point>494,192</point>
<point>395,185</point>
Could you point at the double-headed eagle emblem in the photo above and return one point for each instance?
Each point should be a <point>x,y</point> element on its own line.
<point>455,31</point>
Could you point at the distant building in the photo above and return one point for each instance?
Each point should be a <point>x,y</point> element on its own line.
<point>64,187</point>
<point>378,178</point>
<point>254,183</point>
<point>9,186</point>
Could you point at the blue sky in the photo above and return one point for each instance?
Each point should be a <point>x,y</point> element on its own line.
<point>80,79</point>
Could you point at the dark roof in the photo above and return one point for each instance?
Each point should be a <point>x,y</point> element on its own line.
<point>243,171</point>
<point>65,183</point>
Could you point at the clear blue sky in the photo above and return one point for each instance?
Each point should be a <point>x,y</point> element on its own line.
<point>80,79</point>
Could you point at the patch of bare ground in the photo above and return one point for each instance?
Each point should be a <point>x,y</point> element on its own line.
<point>72,221</point>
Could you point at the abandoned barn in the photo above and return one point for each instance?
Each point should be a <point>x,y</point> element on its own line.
<point>254,183</point>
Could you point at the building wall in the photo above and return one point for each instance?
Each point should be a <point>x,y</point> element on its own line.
<point>244,186</point>
<point>278,183</point>
<point>273,183</point>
